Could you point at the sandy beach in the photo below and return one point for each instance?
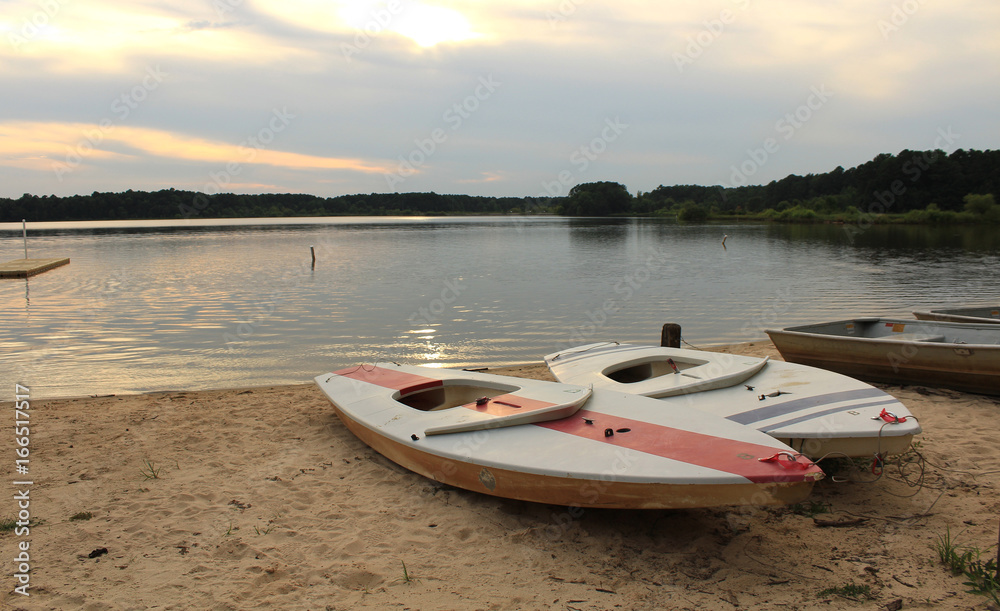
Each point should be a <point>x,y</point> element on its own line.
<point>260,498</point>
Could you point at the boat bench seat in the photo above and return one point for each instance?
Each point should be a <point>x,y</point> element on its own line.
<point>915,337</point>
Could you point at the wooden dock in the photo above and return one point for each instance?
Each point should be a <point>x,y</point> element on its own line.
<point>22,268</point>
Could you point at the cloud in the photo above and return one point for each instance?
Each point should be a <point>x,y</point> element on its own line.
<point>68,146</point>
<point>700,82</point>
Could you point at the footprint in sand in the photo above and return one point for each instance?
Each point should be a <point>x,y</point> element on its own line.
<point>359,580</point>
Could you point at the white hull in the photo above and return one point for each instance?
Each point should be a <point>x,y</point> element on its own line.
<point>816,412</point>
<point>618,450</point>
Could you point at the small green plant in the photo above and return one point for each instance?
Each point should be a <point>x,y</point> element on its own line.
<point>230,530</point>
<point>406,574</point>
<point>950,554</point>
<point>967,561</point>
<point>263,531</point>
<point>10,524</point>
<point>149,469</point>
<point>982,578</point>
<point>851,590</point>
<point>83,515</point>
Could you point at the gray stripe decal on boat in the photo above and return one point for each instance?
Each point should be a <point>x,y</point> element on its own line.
<point>834,410</point>
<point>774,410</point>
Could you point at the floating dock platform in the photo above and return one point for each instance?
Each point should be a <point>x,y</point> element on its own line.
<point>22,268</point>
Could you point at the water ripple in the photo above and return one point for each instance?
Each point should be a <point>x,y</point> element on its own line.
<point>189,308</point>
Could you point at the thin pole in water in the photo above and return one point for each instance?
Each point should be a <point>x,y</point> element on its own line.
<point>313,251</point>
<point>24,233</point>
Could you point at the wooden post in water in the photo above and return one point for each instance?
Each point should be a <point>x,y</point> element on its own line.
<point>313,251</point>
<point>670,337</point>
<point>24,234</point>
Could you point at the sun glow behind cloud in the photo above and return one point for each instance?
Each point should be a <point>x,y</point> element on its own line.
<point>430,25</point>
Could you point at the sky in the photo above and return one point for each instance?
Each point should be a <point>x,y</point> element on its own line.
<point>500,98</point>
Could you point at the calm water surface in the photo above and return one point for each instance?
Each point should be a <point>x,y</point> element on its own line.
<point>173,305</point>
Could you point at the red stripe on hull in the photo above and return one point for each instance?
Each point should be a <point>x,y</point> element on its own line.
<point>719,453</point>
<point>389,378</point>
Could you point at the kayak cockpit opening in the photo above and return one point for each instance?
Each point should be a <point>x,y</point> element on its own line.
<point>450,395</point>
<point>631,373</point>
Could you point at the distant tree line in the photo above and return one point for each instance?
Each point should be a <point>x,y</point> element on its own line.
<point>920,186</point>
<point>909,183</point>
<point>176,204</point>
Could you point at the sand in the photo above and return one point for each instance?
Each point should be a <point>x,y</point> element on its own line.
<point>259,498</point>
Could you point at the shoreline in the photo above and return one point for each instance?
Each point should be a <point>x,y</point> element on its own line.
<point>260,498</point>
<point>530,369</point>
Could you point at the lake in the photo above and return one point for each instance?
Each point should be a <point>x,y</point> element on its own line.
<point>174,305</point>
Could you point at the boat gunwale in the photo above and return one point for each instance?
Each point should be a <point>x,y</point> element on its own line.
<point>951,317</point>
<point>799,331</point>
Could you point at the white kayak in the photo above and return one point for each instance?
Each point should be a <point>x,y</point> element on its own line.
<point>613,449</point>
<point>817,412</point>
<point>649,370</point>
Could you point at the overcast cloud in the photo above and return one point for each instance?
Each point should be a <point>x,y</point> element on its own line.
<point>487,98</point>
